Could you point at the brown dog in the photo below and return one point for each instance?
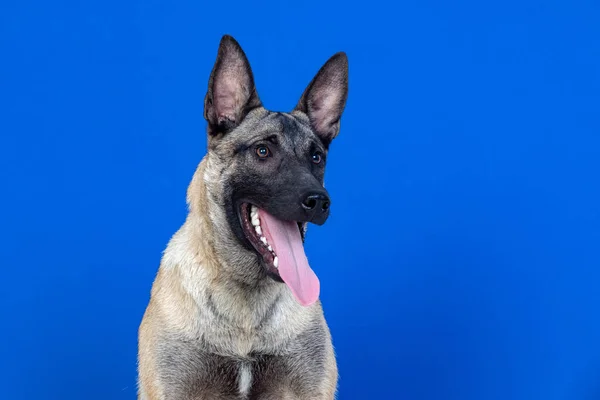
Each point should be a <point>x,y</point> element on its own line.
<point>234,310</point>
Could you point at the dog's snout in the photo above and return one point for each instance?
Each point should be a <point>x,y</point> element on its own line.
<point>316,205</point>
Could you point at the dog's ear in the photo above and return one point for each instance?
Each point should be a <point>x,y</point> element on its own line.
<point>231,93</point>
<point>325,97</point>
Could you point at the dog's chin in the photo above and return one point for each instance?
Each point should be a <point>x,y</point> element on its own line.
<point>258,242</point>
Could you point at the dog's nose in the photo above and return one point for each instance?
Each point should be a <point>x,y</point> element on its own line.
<point>317,201</point>
<point>316,205</point>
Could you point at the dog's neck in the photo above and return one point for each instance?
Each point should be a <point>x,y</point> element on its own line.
<point>224,259</point>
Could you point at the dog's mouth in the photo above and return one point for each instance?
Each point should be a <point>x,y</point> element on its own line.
<point>280,245</point>
<point>255,235</point>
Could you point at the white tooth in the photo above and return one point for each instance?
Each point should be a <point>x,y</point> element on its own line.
<point>270,248</point>
<point>255,220</point>
<point>258,230</point>
<point>276,262</point>
<point>262,239</point>
<point>253,211</point>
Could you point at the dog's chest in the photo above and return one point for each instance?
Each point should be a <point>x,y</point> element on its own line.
<point>256,361</point>
<point>190,371</point>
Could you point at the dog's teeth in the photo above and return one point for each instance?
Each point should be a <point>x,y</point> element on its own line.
<point>255,220</point>
<point>270,248</point>
<point>258,230</point>
<point>262,239</point>
<point>276,262</point>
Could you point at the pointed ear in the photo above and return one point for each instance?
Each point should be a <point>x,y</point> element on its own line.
<point>325,97</point>
<point>231,93</point>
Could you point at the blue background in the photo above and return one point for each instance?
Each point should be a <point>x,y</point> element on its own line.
<point>461,260</point>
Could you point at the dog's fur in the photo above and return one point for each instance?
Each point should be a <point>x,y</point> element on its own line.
<point>219,325</point>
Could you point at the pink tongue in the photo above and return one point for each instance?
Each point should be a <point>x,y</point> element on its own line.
<point>285,238</point>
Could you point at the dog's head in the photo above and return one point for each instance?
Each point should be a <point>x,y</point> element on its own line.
<point>265,169</point>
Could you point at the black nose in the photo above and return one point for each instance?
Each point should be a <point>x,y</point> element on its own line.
<point>317,206</point>
<point>319,201</point>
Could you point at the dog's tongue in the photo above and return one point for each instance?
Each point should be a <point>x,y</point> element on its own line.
<point>285,238</point>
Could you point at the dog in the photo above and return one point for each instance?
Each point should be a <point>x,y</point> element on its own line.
<point>234,310</point>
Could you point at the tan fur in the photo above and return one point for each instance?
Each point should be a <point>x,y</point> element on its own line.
<point>189,269</point>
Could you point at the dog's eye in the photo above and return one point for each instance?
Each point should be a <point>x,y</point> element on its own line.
<point>317,157</point>
<point>263,151</point>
